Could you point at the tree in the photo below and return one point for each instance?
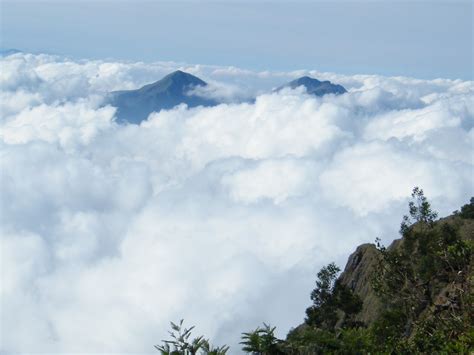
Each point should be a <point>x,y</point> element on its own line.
<point>419,212</point>
<point>181,345</point>
<point>329,298</point>
<point>323,311</point>
<point>467,211</point>
<point>324,284</point>
<point>261,341</point>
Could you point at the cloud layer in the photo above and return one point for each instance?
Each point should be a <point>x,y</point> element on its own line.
<point>217,215</point>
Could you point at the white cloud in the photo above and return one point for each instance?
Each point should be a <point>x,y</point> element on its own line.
<point>68,124</point>
<point>217,215</point>
<point>221,92</point>
<point>277,180</point>
<point>369,176</point>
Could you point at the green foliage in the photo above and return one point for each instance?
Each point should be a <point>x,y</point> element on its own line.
<point>324,284</point>
<point>438,334</point>
<point>419,212</point>
<point>261,341</point>
<point>467,211</point>
<point>357,341</point>
<point>329,298</point>
<point>345,300</point>
<point>423,281</point>
<point>323,312</point>
<point>389,328</point>
<point>310,340</point>
<point>180,343</point>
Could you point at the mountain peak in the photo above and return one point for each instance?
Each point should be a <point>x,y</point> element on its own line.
<point>184,78</point>
<point>305,79</point>
<point>178,73</point>
<point>134,106</point>
<point>177,81</point>
<point>315,87</point>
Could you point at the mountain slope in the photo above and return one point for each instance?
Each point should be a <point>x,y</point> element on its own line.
<point>315,87</point>
<point>134,106</point>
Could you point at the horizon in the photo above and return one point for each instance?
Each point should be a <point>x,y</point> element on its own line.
<point>180,64</point>
<point>347,38</point>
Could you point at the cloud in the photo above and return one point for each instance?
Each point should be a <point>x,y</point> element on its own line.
<point>67,124</point>
<point>381,173</point>
<point>219,215</point>
<point>277,180</point>
<point>225,93</point>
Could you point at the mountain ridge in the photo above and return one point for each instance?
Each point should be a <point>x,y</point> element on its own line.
<point>134,106</point>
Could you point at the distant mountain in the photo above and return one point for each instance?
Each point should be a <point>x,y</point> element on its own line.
<point>134,106</point>
<point>5,52</point>
<point>315,87</point>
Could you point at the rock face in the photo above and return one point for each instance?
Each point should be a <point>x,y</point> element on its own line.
<point>356,276</point>
<point>134,106</point>
<point>361,264</point>
<point>315,87</point>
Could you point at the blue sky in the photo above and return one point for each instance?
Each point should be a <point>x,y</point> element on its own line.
<point>420,39</point>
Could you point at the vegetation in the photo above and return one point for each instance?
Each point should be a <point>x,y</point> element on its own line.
<point>423,282</point>
<point>261,341</point>
<point>330,298</point>
<point>467,211</point>
<point>181,345</point>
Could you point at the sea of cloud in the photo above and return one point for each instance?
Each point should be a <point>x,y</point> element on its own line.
<point>221,216</point>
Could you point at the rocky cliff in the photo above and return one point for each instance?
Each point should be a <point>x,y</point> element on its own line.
<point>360,267</point>
<point>357,277</point>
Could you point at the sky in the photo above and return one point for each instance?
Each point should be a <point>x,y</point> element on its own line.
<point>425,39</point>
